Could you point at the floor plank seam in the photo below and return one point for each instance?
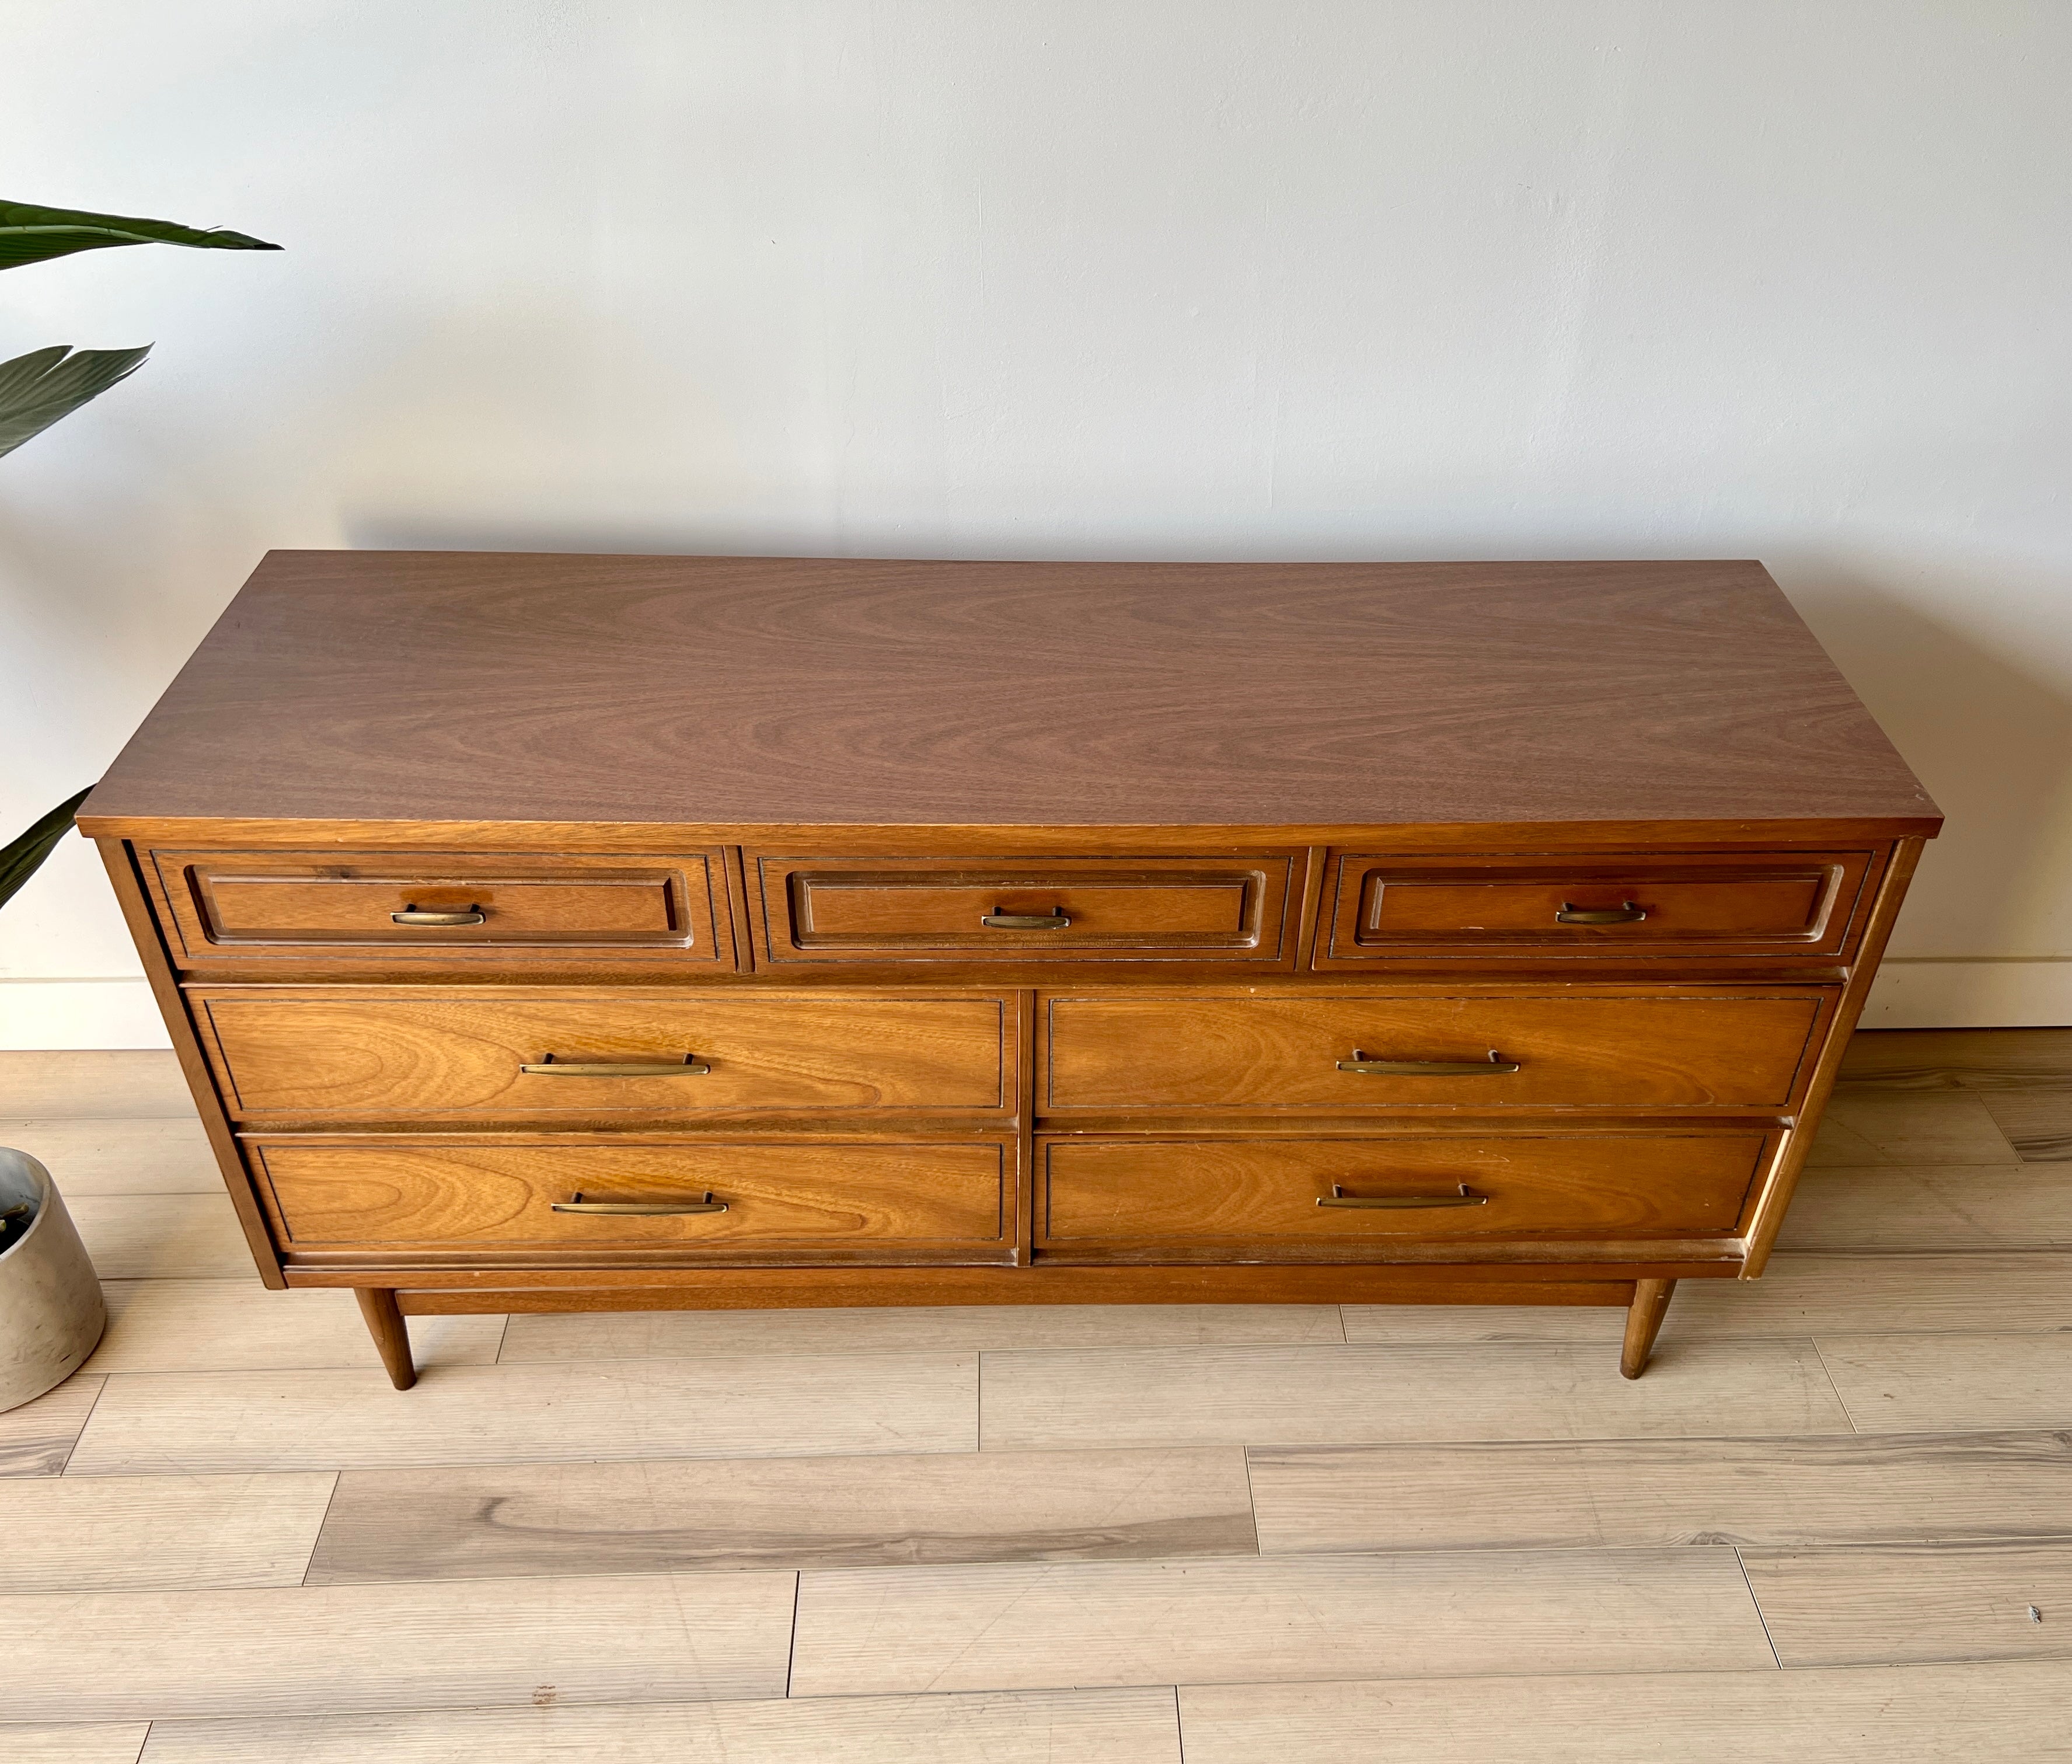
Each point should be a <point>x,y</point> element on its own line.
<point>478,1465</point>
<point>1945,1433</point>
<point>399,1711</point>
<point>1992,1331</point>
<point>2012,1160</point>
<point>414,1711</point>
<point>1832,1334</point>
<point>1037,1347</point>
<point>316,1542</point>
<point>1900,1252</point>
<point>519,1366</point>
<point>71,1451</point>
<point>1762,1617</point>
<point>2010,1544</point>
<point>792,1651</point>
<point>1841,1401</point>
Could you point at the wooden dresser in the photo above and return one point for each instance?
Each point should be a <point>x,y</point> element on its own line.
<point>545,932</point>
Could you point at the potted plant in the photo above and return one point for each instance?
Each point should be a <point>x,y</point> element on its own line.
<point>51,1310</point>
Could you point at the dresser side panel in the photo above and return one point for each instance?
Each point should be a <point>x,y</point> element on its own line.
<point>1774,1199</point>
<point>145,930</point>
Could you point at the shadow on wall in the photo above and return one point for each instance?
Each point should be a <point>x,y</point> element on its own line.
<point>1992,742</point>
<point>783,536</point>
<point>1164,537</point>
<point>607,538</point>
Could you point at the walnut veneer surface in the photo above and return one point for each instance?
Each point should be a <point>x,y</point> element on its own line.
<point>545,932</point>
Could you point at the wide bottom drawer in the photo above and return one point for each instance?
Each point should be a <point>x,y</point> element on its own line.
<point>711,1199</point>
<point>1252,1197</point>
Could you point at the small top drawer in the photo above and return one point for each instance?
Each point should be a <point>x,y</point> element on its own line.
<point>1701,904</point>
<point>876,910</point>
<point>247,904</point>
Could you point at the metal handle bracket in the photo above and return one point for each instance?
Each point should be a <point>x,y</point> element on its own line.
<point>1338,1197</point>
<point>552,1067</point>
<point>410,915</point>
<point>1426,1068</point>
<point>638,1208</point>
<point>1629,914</point>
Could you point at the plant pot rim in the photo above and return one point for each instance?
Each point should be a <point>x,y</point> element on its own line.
<point>46,1190</point>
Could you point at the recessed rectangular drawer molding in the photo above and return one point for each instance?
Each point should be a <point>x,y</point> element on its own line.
<point>260,904</point>
<point>1151,1194</point>
<point>1287,1052</point>
<point>1702,904</point>
<point>455,1194</point>
<point>415,1052</point>
<point>1025,909</point>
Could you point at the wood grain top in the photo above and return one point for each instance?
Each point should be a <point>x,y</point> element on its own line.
<point>450,686</point>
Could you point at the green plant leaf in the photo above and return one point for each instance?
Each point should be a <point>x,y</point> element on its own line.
<point>30,234</point>
<point>37,388</point>
<point>24,857</point>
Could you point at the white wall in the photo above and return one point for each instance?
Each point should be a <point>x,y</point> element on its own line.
<point>1245,278</point>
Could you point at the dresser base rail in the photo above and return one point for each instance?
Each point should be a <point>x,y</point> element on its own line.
<point>1645,1300</point>
<point>444,1291</point>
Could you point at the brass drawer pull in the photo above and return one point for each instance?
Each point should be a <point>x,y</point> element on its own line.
<point>639,1208</point>
<point>552,1067</point>
<point>1425,1068</point>
<point>410,915</point>
<point>1056,919</point>
<point>1630,914</point>
<point>1338,1197</point>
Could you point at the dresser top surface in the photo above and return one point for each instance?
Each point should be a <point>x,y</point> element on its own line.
<point>456,686</point>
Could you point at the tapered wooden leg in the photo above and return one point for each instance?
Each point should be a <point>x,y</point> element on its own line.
<point>1643,1323</point>
<point>391,1334</point>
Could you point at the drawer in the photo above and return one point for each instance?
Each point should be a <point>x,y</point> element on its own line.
<point>1569,1049</point>
<point>733,1198</point>
<point>1304,1196</point>
<point>246,905</point>
<point>1703,904</point>
<point>857,910</point>
<point>419,1052</point>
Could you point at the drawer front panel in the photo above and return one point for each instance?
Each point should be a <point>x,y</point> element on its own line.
<point>1287,1052</point>
<point>453,1194</point>
<point>1703,904</point>
<point>1264,1195</point>
<point>859,909</point>
<point>256,904</point>
<point>342,1052</point>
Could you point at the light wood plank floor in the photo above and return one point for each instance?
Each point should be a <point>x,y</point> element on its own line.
<point>1834,1520</point>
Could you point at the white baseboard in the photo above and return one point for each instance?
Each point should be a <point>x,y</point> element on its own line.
<point>76,1013</point>
<point>1931,992</point>
<point>1911,992</point>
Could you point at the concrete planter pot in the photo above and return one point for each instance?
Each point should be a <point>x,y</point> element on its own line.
<point>52,1314</point>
